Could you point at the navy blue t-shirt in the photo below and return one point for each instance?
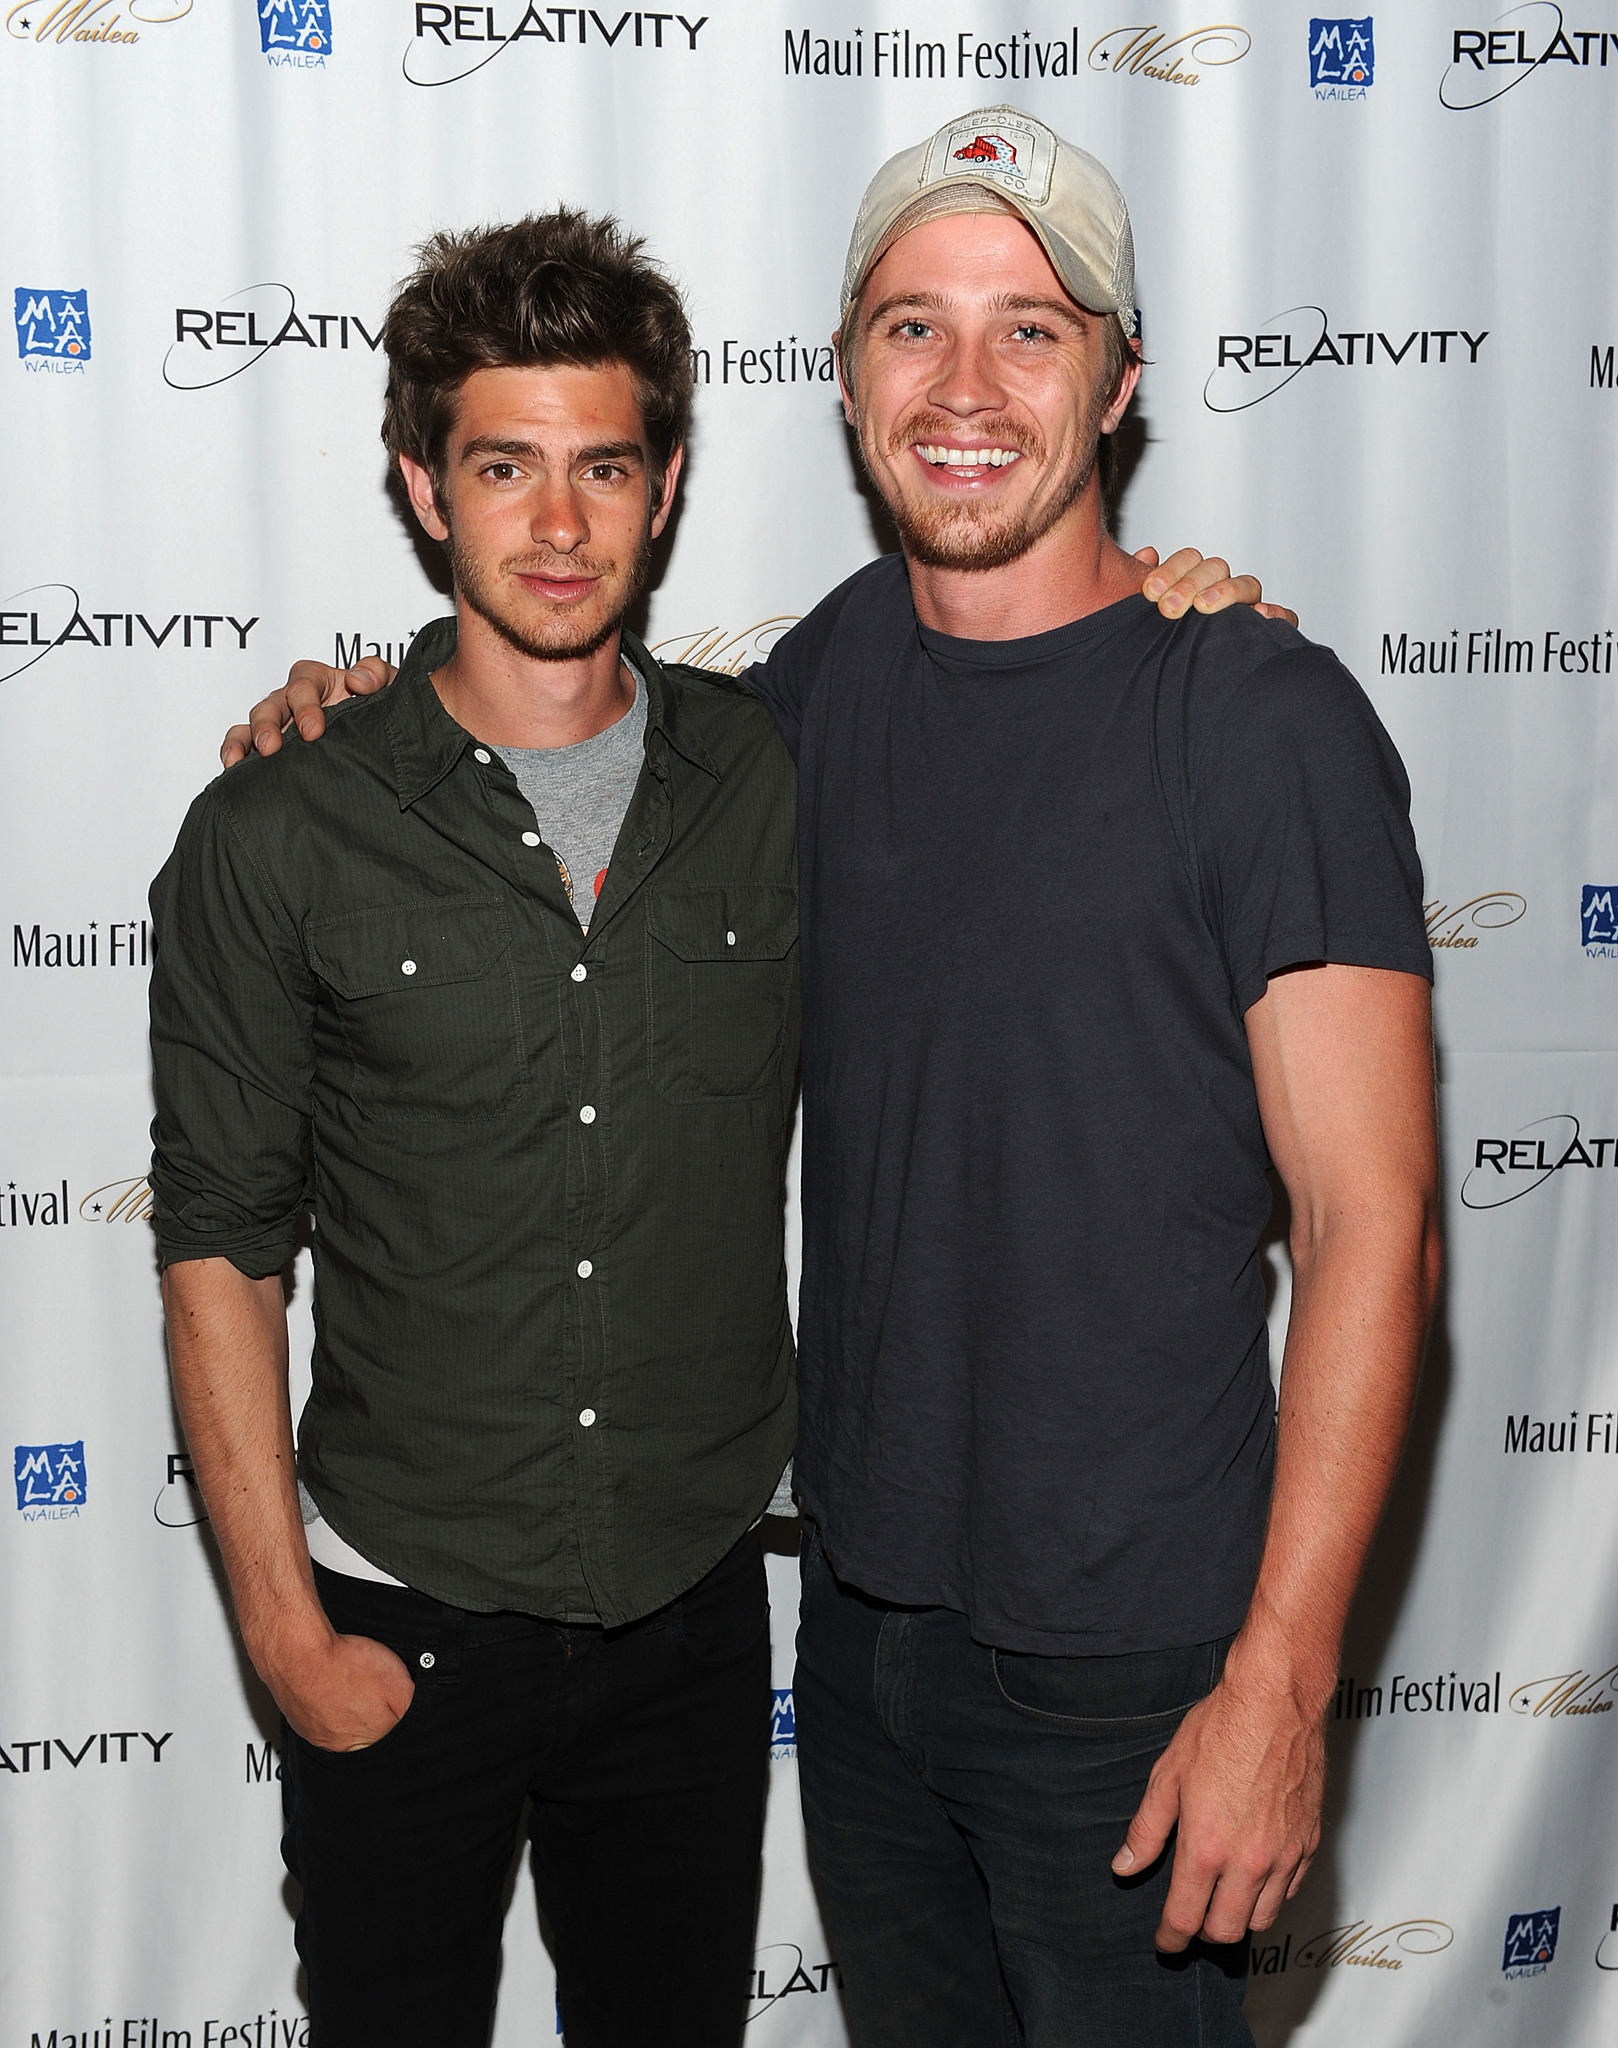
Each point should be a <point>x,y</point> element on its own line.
<point>1041,882</point>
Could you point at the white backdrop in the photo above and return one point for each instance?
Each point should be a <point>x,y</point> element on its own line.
<point>1377,272</point>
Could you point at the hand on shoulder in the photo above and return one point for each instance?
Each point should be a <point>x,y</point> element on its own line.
<point>1189,581</point>
<point>310,687</point>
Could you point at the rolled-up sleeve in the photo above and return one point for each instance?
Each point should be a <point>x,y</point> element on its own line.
<point>232,1053</point>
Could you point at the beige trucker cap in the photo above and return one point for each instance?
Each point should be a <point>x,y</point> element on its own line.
<point>1066,197</point>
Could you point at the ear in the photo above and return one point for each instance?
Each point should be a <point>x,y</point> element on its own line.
<point>842,380</point>
<point>1126,391</point>
<point>671,479</point>
<point>423,500</point>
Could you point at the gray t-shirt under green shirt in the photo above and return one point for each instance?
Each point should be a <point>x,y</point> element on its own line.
<point>579,795</point>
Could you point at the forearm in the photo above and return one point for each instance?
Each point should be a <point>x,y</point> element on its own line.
<point>228,1352</point>
<point>1362,1295</point>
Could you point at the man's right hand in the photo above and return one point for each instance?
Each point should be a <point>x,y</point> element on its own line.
<point>345,1695</point>
<point>310,687</point>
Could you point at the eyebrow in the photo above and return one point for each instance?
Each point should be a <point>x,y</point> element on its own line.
<point>1008,302</point>
<point>530,451</point>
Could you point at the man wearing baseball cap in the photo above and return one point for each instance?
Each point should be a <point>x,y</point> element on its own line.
<point>1100,916</point>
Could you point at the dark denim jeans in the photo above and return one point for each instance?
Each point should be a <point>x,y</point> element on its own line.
<point>645,1752</point>
<point>964,1805</point>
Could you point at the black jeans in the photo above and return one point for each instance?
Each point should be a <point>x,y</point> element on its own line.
<point>963,1807</point>
<point>644,1751</point>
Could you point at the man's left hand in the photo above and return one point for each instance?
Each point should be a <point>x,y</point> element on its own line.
<point>1191,581</point>
<point>1242,1780</point>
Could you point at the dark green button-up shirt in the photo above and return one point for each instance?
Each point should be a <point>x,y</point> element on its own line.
<point>553,1365</point>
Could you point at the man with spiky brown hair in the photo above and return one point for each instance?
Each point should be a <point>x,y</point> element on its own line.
<point>538,1095</point>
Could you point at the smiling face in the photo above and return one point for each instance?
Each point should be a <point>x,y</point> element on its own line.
<point>546,504</point>
<point>979,390</point>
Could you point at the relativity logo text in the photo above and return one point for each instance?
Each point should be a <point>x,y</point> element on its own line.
<point>1527,41</point>
<point>1252,367</point>
<point>1506,1169</point>
<point>214,343</point>
<point>48,615</point>
<point>452,42</point>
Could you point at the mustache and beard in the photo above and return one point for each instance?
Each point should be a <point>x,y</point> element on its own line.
<point>568,635</point>
<point>978,533</point>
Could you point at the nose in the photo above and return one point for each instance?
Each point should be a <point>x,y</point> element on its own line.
<point>557,517</point>
<point>967,381</point>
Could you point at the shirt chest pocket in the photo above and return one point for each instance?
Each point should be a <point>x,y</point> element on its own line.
<point>720,978</point>
<point>427,999</point>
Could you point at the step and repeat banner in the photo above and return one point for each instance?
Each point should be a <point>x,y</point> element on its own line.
<point>1377,269</point>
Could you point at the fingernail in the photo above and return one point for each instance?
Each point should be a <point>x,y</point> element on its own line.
<point>1174,607</point>
<point>306,726</point>
<point>1152,587</point>
<point>1124,1860</point>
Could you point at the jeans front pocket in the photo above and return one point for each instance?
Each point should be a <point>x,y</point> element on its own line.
<point>1096,1695</point>
<point>409,1624</point>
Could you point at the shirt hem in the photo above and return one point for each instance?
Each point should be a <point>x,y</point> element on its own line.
<point>996,1631</point>
<point>1314,947</point>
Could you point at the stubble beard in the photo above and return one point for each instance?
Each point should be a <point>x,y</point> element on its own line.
<point>564,637</point>
<point>974,534</point>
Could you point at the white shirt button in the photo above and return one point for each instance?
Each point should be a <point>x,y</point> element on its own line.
<point>730,938</point>
<point>407,966</point>
<point>530,839</point>
<point>587,1416</point>
<point>481,754</point>
<point>578,972</point>
<point>586,1268</point>
<point>426,1660</point>
<point>587,1115</point>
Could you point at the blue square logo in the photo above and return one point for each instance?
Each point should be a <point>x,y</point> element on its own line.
<point>53,324</point>
<point>1531,1939</point>
<point>1341,53</point>
<point>49,1476</point>
<point>297,27</point>
<point>783,1723</point>
<point>1598,917</point>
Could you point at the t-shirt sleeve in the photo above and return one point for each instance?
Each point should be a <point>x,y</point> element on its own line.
<point>1301,818</point>
<point>232,1054</point>
<point>782,681</point>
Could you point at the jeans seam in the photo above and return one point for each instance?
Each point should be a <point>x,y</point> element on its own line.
<point>881,1671</point>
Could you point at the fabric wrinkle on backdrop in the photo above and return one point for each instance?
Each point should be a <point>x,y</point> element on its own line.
<point>1356,387</point>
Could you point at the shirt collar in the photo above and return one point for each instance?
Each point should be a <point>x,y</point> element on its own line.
<point>668,710</point>
<point>426,742</point>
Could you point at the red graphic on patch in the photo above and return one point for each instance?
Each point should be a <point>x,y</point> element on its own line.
<point>600,878</point>
<point>987,149</point>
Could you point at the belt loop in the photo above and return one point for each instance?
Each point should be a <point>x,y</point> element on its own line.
<point>451,1640</point>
